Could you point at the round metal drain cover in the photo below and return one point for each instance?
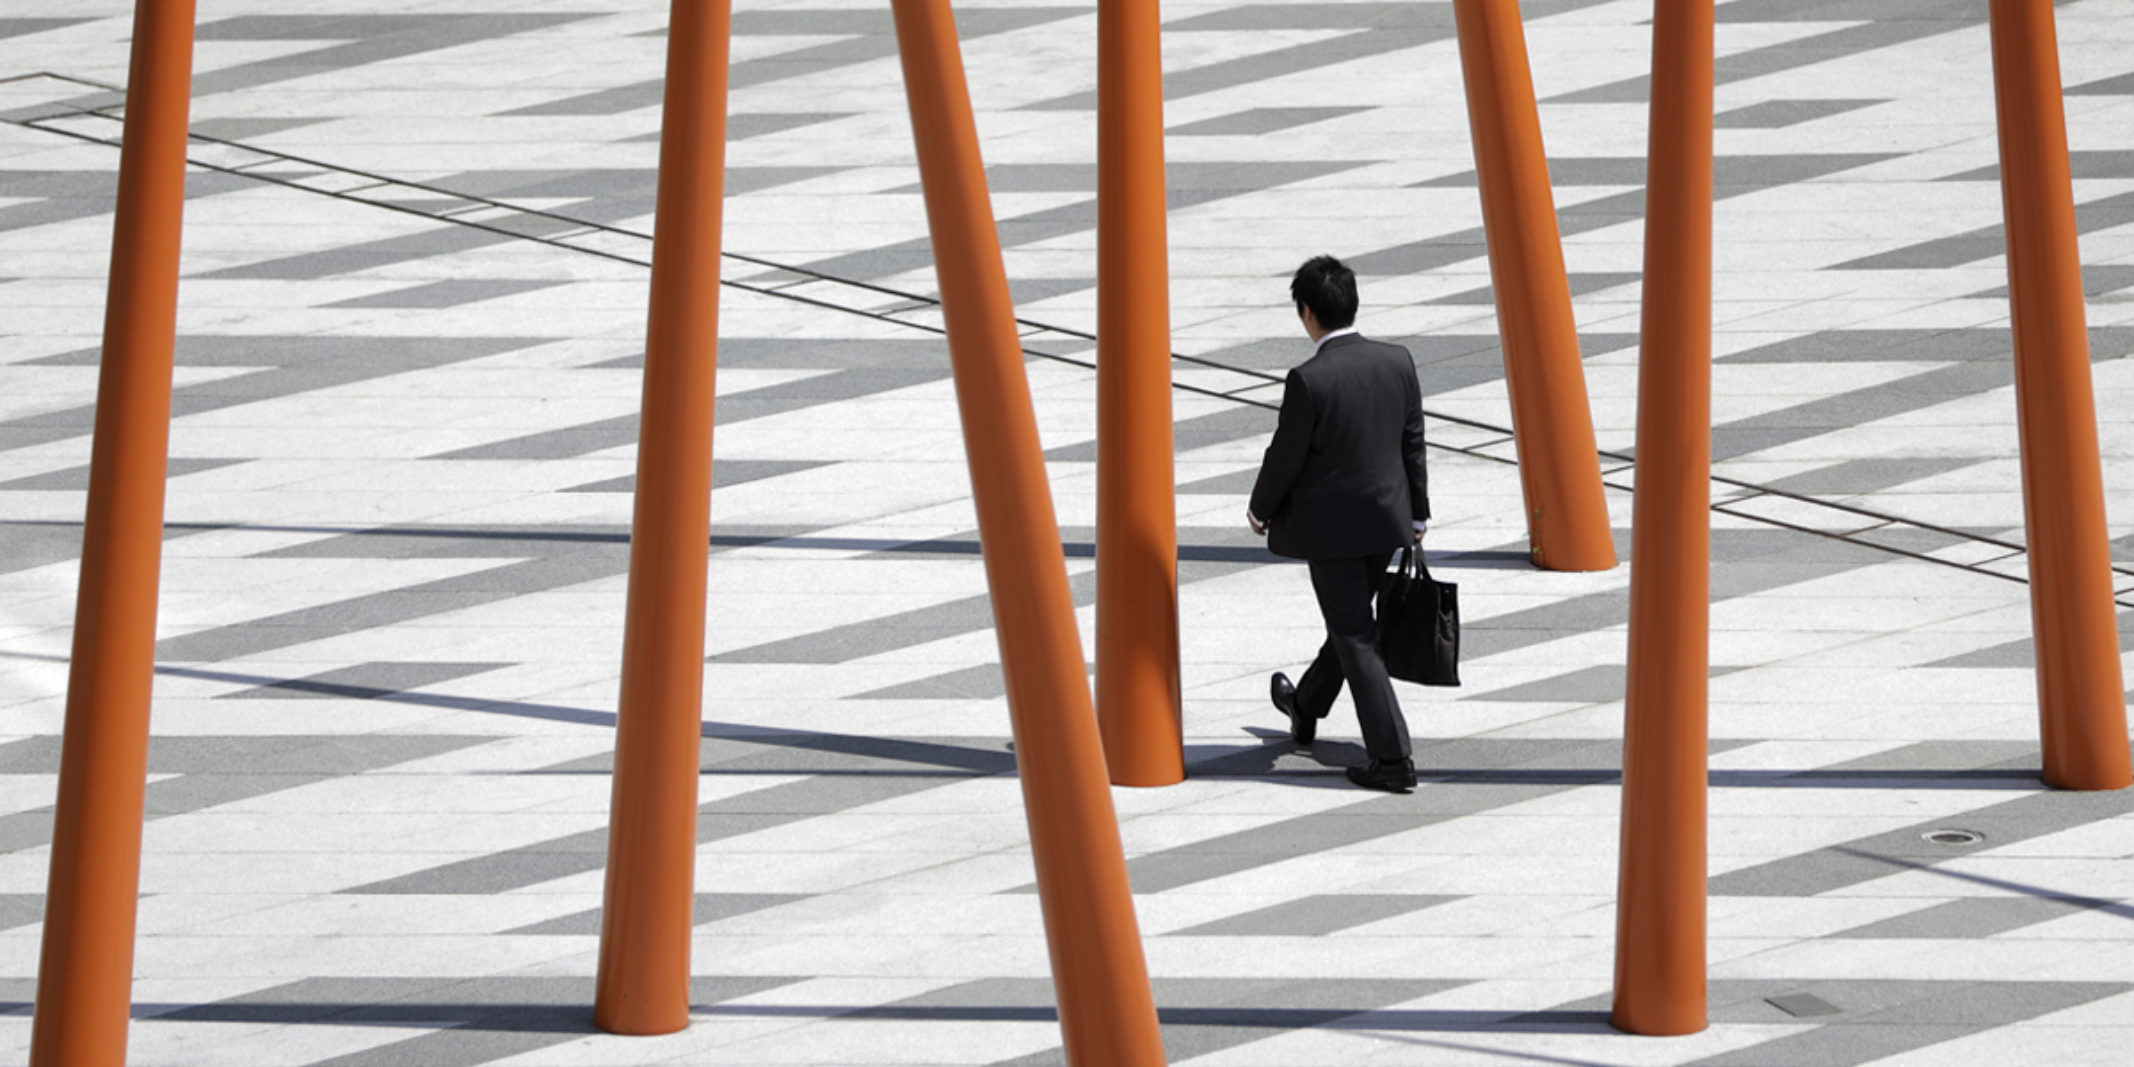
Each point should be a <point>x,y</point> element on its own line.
<point>1954,837</point>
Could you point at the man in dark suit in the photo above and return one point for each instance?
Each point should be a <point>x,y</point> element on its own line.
<point>1342,487</point>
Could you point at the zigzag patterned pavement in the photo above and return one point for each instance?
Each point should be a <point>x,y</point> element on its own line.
<point>408,369</point>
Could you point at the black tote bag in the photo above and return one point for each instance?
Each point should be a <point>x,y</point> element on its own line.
<point>1419,624</point>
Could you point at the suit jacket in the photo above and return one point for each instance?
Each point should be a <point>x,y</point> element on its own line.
<point>1344,475</point>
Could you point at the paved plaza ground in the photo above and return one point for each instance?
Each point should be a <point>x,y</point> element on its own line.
<point>409,357</point>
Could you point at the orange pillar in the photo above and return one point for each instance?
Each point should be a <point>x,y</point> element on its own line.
<point>85,977</point>
<point>1138,704</point>
<point>1552,424</point>
<point>1107,1016</point>
<point>650,898</point>
<point>1660,893</point>
<point>2081,700</point>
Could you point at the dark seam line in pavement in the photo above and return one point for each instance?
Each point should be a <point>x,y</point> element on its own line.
<point>338,618</point>
<point>524,709</point>
<point>916,301</point>
<point>344,194</point>
<point>923,301</point>
<point>250,386</point>
<point>184,791</point>
<point>917,547</point>
<point>2108,905</point>
<point>918,298</point>
<point>811,795</point>
<point>1200,1016</point>
<point>1775,58</point>
<point>520,573</point>
<point>959,762</point>
<point>1491,781</point>
<point>1441,798</point>
<point>1892,549</point>
<point>953,760</point>
<point>1868,858</point>
<point>531,533</point>
<point>1986,242</point>
<point>464,1020</point>
<point>1870,1019</point>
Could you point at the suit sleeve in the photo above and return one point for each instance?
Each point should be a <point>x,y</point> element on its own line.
<point>1411,447</point>
<point>1286,453</point>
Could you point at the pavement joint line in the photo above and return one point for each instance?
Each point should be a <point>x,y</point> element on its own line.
<point>920,300</point>
<point>1848,538</point>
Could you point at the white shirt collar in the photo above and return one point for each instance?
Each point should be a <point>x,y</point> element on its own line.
<point>1345,331</point>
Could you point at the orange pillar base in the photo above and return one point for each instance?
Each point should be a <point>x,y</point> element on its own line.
<point>1559,467</point>
<point>85,974</point>
<point>1660,895</point>
<point>649,905</point>
<point>1107,1014</point>
<point>1139,710</point>
<point>2081,693</point>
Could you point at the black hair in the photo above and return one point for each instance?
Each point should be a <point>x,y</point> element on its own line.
<point>1328,289</point>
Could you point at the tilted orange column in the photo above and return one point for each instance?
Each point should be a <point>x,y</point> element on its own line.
<point>2081,700</point>
<point>1138,705</point>
<point>650,898</point>
<point>1552,424</point>
<point>1660,892</point>
<point>85,977</point>
<point>1107,1016</point>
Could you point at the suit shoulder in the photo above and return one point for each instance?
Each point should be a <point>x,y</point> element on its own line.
<point>1391,349</point>
<point>1304,373</point>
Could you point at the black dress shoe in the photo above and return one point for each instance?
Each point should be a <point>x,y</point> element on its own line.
<point>1302,727</point>
<point>1394,777</point>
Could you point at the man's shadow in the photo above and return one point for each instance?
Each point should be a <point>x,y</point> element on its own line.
<point>1279,759</point>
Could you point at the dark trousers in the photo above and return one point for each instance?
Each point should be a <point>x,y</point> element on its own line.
<point>1345,588</point>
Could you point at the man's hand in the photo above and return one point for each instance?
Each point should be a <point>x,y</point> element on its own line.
<point>1253,521</point>
<point>1419,529</point>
